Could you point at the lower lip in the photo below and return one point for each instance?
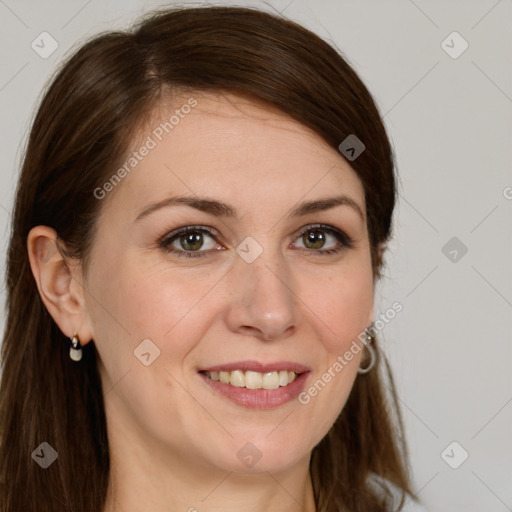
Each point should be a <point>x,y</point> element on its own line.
<point>259,398</point>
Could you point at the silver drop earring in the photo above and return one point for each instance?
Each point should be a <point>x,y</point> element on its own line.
<point>75,351</point>
<point>373,356</point>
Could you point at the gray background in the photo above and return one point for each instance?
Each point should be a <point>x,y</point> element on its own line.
<point>450,122</point>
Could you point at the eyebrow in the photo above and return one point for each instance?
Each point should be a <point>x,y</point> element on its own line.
<point>221,209</point>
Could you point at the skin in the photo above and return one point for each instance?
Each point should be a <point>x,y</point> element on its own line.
<point>174,441</point>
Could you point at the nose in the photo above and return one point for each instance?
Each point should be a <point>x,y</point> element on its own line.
<point>262,299</point>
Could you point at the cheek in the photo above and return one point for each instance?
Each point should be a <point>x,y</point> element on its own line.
<point>343,309</point>
<point>140,303</point>
<point>168,305</point>
<point>141,300</point>
<point>344,306</point>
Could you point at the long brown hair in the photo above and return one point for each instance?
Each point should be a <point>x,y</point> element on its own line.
<point>81,132</point>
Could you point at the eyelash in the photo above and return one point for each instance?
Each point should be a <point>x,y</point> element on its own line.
<point>165,241</point>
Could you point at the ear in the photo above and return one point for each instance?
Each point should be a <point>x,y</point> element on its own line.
<point>379,261</point>
<point>59,281</point>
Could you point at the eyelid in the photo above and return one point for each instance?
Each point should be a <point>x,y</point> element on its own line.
<point>185,229</point>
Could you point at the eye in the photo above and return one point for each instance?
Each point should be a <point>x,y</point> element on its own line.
<point>318,236</point>
<point>187,241</point>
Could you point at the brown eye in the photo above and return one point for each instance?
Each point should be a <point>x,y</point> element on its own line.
<point>315,237</point>
<point>190,241</point>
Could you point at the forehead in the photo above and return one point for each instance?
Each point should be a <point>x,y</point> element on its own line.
<point>234,149</point>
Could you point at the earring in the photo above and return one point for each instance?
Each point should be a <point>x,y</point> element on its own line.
<point>75,351</point>
<point>373,357</point>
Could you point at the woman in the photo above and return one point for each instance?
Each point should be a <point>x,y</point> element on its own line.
<point>199,224</point>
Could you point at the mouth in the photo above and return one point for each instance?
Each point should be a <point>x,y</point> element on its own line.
<point>256,385</point>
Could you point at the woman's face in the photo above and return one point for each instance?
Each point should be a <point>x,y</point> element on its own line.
<point>252,286</point>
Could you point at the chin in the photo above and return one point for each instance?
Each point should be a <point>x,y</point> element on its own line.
<point>264,455</point>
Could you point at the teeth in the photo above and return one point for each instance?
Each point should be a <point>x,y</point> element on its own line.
<point>254,380</point>
<point>271,380</point>
<point>237,379</point>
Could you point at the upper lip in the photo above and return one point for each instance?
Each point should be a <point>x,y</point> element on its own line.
<point>256,366</point>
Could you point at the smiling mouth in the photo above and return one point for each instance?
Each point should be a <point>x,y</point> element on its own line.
<point>253,380</point>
